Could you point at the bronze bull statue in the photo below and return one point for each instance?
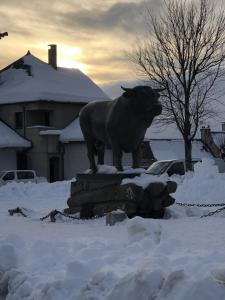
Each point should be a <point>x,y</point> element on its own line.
<point>120,124</point>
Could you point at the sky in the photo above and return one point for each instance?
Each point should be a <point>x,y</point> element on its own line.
<point>92,35</point>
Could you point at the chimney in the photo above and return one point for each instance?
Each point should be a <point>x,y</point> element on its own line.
<point>52,56</point>
<point>205,134</point>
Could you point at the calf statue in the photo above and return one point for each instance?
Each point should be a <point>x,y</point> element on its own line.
<point>120,124</point>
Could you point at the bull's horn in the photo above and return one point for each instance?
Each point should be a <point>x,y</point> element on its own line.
<point>125,89</point>
<point>159,90</point>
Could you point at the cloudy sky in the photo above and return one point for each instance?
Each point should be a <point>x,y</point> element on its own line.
<point>92,35</point>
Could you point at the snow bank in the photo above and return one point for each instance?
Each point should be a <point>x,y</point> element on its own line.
<point>139,228</point>
<point>145,179</point>
<point>106,169</point>
<point>170,259</point>
<point>43,196</point>
<point>204,185</point>
<point>8,257</point>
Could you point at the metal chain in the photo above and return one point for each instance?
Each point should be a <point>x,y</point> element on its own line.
<point>53,214</point>
<point>17,210</point>
<point>211,213</point>
<point>200,205</point>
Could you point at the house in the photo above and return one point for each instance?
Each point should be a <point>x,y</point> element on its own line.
<point>11,145</point>
<point>214,141</point>
<point>35,97</point>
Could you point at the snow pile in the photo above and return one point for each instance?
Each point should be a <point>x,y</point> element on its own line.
<point>8,257</point>
<point>41,197</point>
<point>204,185</point>
<point>145,179</point>
<point>138,285</point>
<point>106,169</point>
<point>169,259</point>
<point>139,228</point>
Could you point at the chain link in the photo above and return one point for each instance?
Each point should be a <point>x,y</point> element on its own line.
<point>53,214</point>
<point>211,213</point>
<point>17,210</point>
<point>200,205</point>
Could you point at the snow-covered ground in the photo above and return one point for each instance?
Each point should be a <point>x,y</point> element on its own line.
<point>181,257</point>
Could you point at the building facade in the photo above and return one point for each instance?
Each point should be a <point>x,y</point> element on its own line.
<point>36,97</point>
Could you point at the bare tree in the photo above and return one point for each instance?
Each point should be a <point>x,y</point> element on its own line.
<point>185,55</point>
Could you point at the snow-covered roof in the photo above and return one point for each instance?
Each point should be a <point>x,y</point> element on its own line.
<point>31,79</point>
<point>174,149</point>
<point>10,139</point>
<point>72,133</point>
<point>50,132</point>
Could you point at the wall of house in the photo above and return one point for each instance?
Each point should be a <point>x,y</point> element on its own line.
<point>61,114</point>
<point>76,160</point>
<point>44,149</point>
<point>8,159</point>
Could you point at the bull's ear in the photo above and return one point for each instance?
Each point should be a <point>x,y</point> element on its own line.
<point>159,90</point>
<point>129,92</point>
<point>125,89</point>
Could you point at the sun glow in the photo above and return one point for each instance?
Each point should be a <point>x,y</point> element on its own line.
<point>69,58</point>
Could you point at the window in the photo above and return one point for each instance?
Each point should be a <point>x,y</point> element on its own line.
<point>38,118</point>
<point>176,168</point>
<point>8,176</point>
<point>19,120</point>
<point>158,167</point>
<point>25,175</point>
<point>47,118</point>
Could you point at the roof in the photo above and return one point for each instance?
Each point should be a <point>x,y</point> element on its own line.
<point>31,79</point>
<point>72,133</point>
<point>10,139</point>
<point>174,149</point>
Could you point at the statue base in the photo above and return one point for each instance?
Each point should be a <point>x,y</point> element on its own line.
<point>94,195</point>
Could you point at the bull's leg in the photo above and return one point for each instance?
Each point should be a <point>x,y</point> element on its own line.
<point>117,157</point>
<point>91,155</point>
<point>100,153</point>
<point>135,156</point>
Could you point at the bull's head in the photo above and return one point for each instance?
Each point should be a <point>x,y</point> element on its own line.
<point>144,100</point>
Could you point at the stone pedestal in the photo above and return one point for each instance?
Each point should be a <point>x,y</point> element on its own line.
<point>97,194</point>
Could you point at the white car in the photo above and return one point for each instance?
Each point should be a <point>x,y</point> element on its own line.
<point>171,167</point>
<point>177,166</point>
<point>18,176</point>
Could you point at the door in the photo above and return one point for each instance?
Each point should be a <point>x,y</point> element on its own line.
<point>54,169</point>
<point>21,160</point>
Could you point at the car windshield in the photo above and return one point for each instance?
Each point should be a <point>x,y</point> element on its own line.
<point>158,167</point>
